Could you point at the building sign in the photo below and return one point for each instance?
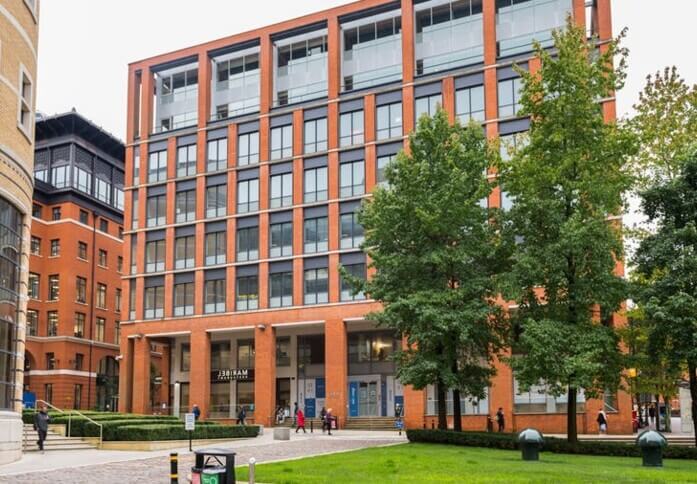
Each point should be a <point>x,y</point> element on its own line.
<point>232,374</point>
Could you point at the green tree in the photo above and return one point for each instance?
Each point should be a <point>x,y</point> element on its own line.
<point>668,260</point>
<point>566,183</point>
<point>665,125</point>
<point>437,256</point>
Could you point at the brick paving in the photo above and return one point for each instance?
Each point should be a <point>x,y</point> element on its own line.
<point>156,469</point>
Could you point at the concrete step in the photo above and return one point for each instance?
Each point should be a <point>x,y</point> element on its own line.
<point>54,441</point>
<point>370,423</point>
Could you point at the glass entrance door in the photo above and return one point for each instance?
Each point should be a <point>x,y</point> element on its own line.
<point>368,399</point>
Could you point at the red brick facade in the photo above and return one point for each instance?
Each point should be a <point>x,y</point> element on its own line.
<point>334,319</point>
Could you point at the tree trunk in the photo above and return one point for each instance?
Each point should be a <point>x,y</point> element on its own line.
<point>692,368</point>
<point>442,410</point>
<point>658,412</point>
<point>457,412</point>
<point>667,426</point>
<point>571,430</point>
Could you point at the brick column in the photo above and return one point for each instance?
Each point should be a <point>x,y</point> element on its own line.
<point>579,12</point>
<point>489,19</point>
<point>414,407</point>
<point>264,375</point>
<point>200,373</point>
<point>336,368</point>
<point>408,41</point>
<point>126,375</point>
<point>141,376</point>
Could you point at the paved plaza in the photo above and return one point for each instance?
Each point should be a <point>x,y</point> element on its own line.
<point>108,467</point>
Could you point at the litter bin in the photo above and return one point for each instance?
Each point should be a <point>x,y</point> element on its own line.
<point>652,444</point>
<point>531,442</point>
<point>213,466</point>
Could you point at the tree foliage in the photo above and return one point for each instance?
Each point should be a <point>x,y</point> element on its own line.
<point>665,125</point>
<point>668,260</point>
<point>566,183</point>
<point>436,254</point>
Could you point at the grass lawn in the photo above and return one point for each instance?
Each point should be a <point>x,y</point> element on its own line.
<point>442,463</point>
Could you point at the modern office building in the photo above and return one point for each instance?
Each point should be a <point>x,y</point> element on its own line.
<point>19,31</point>
<point>246,159</point>
<point>75,266</point>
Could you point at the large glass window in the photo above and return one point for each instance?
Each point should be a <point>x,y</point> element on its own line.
<point>157,211</point>
<point>538,400</point>
<point>10,229</point>
<point>132,300</point>
<point>509,97</point>
<point>245,353</point>
<point>355,270</point>
<point>135,214</point>
<point>381,164</point>
<point>154,302</point>
<point>248,149</point>
<point>372,51</point>
<point>184,252</point>
<point>101,296</point>
<point>311,349</point>
<point>282,142</point>
<point>81,290</point>
<point>283,351</point>
<point>248,195</point>
<point>316,286</point>
<point>186,160</point>
<point>351,231</point>
<point>316,235</point>
<point>52,323</point>
<point>60,176</point>
<point>468,404</point>
<point>215,248</point>
<point>281,239</point>
<point>157,166</point>
<point>315,186</point>
<point>449,34</point>
<point>217,155</point>
<point>315,133</point>
<point>33,290</point>
<point>100,329</point>
<point>469,104</point>
<point>352,179</point>
<point>389,121</point>
<point>520,22</point>
<point>32,322</point>
<point>155,256</point>
<point>214,297</point>
<point>427,105</point>
<point>53,287</point>
<point>247,244</point>
<point>247,293</point>
<point>102,189</point>
<point>281,190</point>
<point>185,206</point>
<point>216,201</point>
<point>82,179</point>
<point>184,299</point>
<point>351,128</point>
<point>301,69</point>
<point>280,289</point>
<point>236,87</point>
<point>176,93</point>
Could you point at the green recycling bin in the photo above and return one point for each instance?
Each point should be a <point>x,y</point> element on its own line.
<point>531,441</point>
<point>213,466</point>
<point>213,475</point>
<point>652,444</point>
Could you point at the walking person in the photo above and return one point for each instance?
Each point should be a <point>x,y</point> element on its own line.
<point>602,422</point>
<point>295,414</point>
<point>241,416</point>
<point>652,414</point>
<point>300,421</point>
<point>41,420</point>
<point>500,419</point>
<point>323,418</point>
<point>196,411</point>
<point>330,420</point>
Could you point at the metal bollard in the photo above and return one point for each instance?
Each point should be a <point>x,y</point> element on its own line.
<point>173,468</point>
<point>311,425</point>
<point>252,470</point>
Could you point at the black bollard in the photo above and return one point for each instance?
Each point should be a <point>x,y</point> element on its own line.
<point>311,425</point>
<point>173,467</point>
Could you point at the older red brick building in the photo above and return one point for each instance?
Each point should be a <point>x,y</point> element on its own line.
<point>246,158</point>
<point>75,264</point>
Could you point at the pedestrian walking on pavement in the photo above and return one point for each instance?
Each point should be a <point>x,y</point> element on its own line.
<point>41,420</point>
<point>602,422</point>
<point>330,420</point>
<point>500,419</point>
<point>300,421</point>
<point>323,417</point>
<point>196,411</point>
<point>295,414</point>
<point>241,416</point>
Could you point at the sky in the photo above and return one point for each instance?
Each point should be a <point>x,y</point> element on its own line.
<point>85,46</point>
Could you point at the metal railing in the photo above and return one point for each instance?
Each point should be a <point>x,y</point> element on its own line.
<point>70,413</point>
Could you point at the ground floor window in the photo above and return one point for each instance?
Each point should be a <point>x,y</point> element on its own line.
<point>468,404</point>
<point>245,397</point>
<point>220,400</point>
<point>538,399</point>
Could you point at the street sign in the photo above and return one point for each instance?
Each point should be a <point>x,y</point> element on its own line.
<point>189,421</point>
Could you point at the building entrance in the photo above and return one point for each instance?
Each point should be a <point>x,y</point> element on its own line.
<point>368,399</point>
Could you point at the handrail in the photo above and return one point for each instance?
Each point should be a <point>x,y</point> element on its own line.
<point>70,415</point>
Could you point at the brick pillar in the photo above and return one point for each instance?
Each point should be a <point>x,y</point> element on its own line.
<point>501,393</point>
<point>200,373</point>
<point>407,40</point>
<point>336,368</point>
<point>579,12</point>
<point>489,20</point>
<point>126,375</point>
<point>264,375</point>
<point>414,407</point>
<point>141,376</point>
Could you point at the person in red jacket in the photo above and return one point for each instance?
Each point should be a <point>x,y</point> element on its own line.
<point>301,421</point>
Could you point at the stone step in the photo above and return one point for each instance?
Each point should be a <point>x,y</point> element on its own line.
<point>54,441</point>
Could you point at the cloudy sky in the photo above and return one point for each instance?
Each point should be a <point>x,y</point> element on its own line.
<point>86,45</point>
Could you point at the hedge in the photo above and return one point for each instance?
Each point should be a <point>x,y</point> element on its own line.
<point>552,444</point>
<point>77,422</point>
<point>149,432</point>
<point>109,426</point>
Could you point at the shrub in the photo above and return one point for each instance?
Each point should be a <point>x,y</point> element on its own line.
<point>77,422</point>
<point>556,445</point>
<point>149,432</point>
<point>109,427</point>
